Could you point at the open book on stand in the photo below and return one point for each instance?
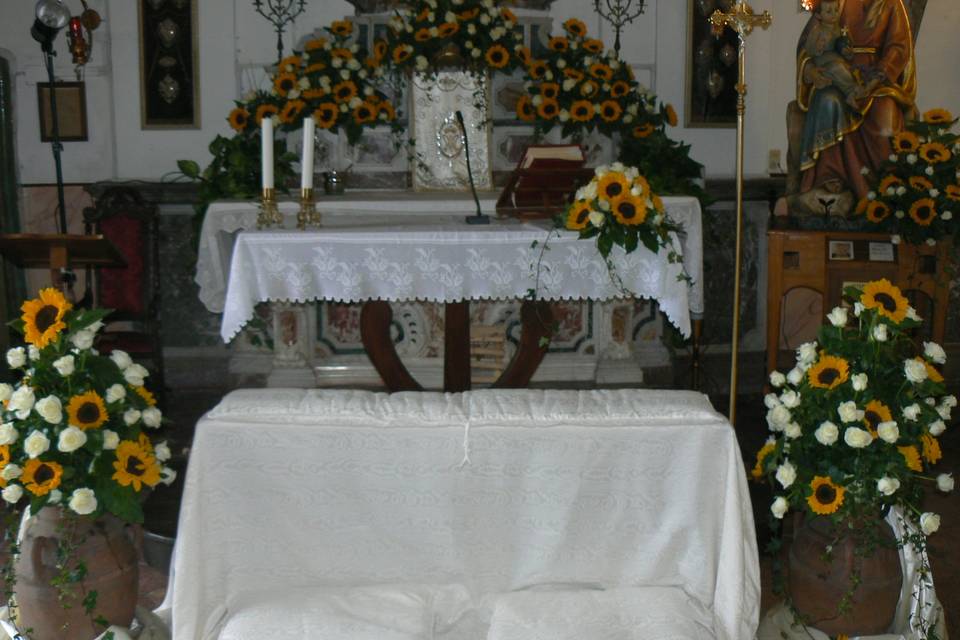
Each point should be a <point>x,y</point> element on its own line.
<point>544,182</point>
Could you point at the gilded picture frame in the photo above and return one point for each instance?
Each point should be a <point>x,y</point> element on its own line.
<point>71,111</point>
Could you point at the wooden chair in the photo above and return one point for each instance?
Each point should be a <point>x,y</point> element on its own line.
<point>133,292</point>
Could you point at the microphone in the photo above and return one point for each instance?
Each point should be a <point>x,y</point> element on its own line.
<point>479,218</point>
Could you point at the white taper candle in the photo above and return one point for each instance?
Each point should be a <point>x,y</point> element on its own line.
<point>306,161</point>
<point>266,152</point>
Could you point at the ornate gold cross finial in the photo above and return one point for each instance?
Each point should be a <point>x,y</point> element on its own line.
<point>741,19</point>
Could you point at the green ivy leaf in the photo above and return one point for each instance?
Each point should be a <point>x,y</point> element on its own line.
<point>189,168</point>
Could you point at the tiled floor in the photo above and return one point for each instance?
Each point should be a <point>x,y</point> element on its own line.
<point>185,407</point>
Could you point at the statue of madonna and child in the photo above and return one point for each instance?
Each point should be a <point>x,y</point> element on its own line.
<point>856,86</point>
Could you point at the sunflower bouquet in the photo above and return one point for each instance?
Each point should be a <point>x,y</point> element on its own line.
<point>917,191</point>
<point>856,422</point>
<point>73,430</point>
<point>476,34</point>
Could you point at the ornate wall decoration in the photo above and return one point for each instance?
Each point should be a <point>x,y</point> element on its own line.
<point>169,95</point>
<point>711,68</point>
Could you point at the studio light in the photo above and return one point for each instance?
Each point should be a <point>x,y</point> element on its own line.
<point>52,16</point>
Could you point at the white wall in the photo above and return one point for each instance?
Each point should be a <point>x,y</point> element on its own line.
<point>234,38</point>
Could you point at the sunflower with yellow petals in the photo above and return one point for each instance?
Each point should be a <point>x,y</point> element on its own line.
<point>765,450</point>
<point>87,411</point>
<point>601,71</point>
<point>43,317</point>
<point>619,89</point>
<point>613,185</point>
<point>314,94</point>
<point>525,109</point>
<point>448,29</point>
<point>380,49</point>
<point>581,111</point>
<point>266,111</point>
<point>934,153</point>
<point>575,27</point>
<point>937,116</point>
<point>588,88</point>
<point>576,74</point>
<point>906,142</point>
<point>924,211</point>
<point>643,130</point>
<point>316,67</point>
<point>593,46</point>
<point>467,15</point>
<point>402,53</point>
<point>386,108</point>
<point>912,458</point>
<point>874,413</point>
<point>932,372</point>
<point>507,15</point>
<point>422,35</point>
<point>136,464</point>
<point>326,115</point>
<point>523,55</point>
<point>953,192</point>
<point>579,215</point>
<point>40,477</point>
<point>284,83</point>
<point>315,45</point>
<point>829,372</point>
<point>629,210</point>
<point>148,397</point>
<point>344,91</point>
<point>365,113</point>
<point>548,109</point>
<point>877,211</point>
<point>291,111</point>
<point>4,461</point>
<point>550,90</point>
<point>610,110</point>
<point>889,182</point>
<point>239,118</point>
<point>558,44</point>
<point>342,28</point>
<point>671,115</point>
<point>537,69</point>
<point>825,497</point>
<point>886,299</point>
<point>931,448</point>
<point>920,183</point>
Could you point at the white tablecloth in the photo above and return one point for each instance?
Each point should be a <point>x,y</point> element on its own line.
<point>491,491</point>
<point>358,257</point>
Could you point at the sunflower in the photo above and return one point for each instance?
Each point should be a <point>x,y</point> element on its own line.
<point>932,372</point>
<point>829,372</point>
<point>581,111</point>
<point>314,94</point>
<point>497,56</point>
<point>643,130</point>
<point>613,185</point>
<point>825,497</point>
<point>402,53</point>
<point>537,69</point>
<point>380,48</point>
<point>877,211</point>
<point>862,206</point>
<point>906,142</point>
<point>508,15</point>
<point>238,119</point>
<point>923,211</point>
<point>315,45</point>
<point>575,27</point>
<point>136,465</point>
<point>266,111</point>
<point>292,110</point>
<point>920,183</point>
<point>43,317</point>
<point>657,203</point>
<point>87,410</point>
<point>469,14</point>
<point>343,54</point>
<point>422,34</point>
<point>558,44</point>
<point>549,109</point>
<point>524,55</point>
<point>316,67</point>
<point>671,115</point>
<point>342,28</point>
<point>144,393</point>
<point>641,185</point>
<point>889,181</point>
<point>579,215</point>
<point>885,298</point>
<point>953,192</point>
<point>40,477</point>
<point>873,414</point>
<point>931,448</point>
<point>387,108</point>
<point>284,83</point>
<point>525,109</point>
<point>448,29</point>
<point>326,115</point>
<point>365,113</point>
<point>629,210</point>
<point>345,91</point>
<point>549,89</point>
<point>912,457</point>
<point>765,450</point>
<point>424,15</point>
<point>619,89</point>
<point>934,152</point>
<point>610,110</point>
<point>593,46</point>
<point>601,71</point>
<point>4,461</point>
<point>289,63</point>
<point>937,116</point>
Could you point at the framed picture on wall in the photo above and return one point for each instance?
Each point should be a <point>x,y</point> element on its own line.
<point>169,55</point>
<point>712,68</point>
<point>71,98</point>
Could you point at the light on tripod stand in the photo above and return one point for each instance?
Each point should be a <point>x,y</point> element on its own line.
<point>52,16</point>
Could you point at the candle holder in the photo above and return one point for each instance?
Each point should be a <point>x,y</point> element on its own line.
<point>269,212</point>
<point>308,216</point>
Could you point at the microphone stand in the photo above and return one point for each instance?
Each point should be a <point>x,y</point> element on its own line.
<point>479,217</point>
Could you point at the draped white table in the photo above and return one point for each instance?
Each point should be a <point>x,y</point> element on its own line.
<point>486,511</point>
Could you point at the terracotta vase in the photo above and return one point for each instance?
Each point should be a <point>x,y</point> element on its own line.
<point>112,571</point>
<point>817,585</point>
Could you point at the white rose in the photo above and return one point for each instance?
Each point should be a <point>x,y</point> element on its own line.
<point>16,357</point>
<point>779,507</point>
<point>929,523</point>
<point>12,493</point>
<point>888,486</point>
<point>116,392</point>
<point>944,412</point>
<point>64,366</point>
<point>827,433</point>
<point>111,440</point>
<point>858,308</point>
<point>847,411</point>
<point>793,431</point>
<point>777,379</point>
<point>786,474</point>
<point>935,352</point>
<point>880,333</point>
<point>838,317</point>
<point>912,412</point>
<point>167,476</point>
<point>949,401</point>
<point>807,353</point>
<point>8,433</point>
<point>135,374</point>
<point>888,431</point>
<point>795,377</point>
<point>895,238</point>
<point>914,371</point>
<point>771,400</point>
<point>22,401</point>
<point>55,496</point>
<point>859,381</point>
<point>131,417</point>
<point>71,439</point>
<point>50,409</point>
<point>162,452</point>
<point>152,417</point>
<point>121,358</point>
<point>36,444</point>
<point>778,418</point>
<point>912,313</point>
<point>937,428</point>
<point>83,501</point>
<point>947,215</point>
<point>11,472</point>
<point>790,399</point>
<point>596,218</point>
<point>945,482</point>
<point>857,438</point>
<point>33,352</point>
<point>83,339</point>
<point>5,391</point>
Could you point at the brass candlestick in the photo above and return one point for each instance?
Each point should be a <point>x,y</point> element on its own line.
<point>308,215</point>
<point>269,212</point>
<point>743,20</point>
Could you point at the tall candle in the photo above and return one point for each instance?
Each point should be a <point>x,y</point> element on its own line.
<point>266,152</point>
<point>306,162</point>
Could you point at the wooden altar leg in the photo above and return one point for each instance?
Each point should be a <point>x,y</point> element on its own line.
<point>456,347</point>
<point>375,319</point>
<point>537,322</point>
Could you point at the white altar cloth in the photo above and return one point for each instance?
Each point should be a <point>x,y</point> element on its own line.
<point>482,493</point>
<point>436,258</point>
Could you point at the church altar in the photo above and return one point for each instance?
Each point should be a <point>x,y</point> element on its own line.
<point>402,247</point>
